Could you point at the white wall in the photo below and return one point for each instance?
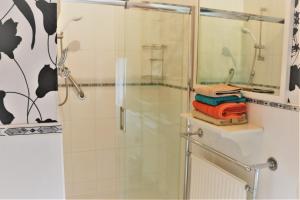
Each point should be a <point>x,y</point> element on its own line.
<point>31,167</point>
<point>280,140</point>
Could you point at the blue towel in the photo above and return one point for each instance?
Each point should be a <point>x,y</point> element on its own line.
<point>214,101</point>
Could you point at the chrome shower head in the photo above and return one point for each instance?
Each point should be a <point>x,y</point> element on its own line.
<point>72,47</point>
<point>226,52</point>
<point>248,31</point>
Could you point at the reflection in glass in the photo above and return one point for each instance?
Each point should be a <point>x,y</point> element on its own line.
<point>240,43</point>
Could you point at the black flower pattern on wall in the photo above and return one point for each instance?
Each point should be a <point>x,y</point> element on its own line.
<point>295,68</point>
<point>5,116</point>
<point>49,11</point>
<point>294,77</point>
<point>25,9</point>
<point>8,39</point>
<point>47,81</point>
<point>49,14</point>
<point>12,30</point>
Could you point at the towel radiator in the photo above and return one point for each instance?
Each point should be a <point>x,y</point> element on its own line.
<point>251,187</point>
<point>209,181</point>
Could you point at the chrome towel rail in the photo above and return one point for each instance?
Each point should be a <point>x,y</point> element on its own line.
<point>255,169</point>
<point>271,163</point>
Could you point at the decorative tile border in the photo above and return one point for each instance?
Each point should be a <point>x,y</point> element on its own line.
<point>33,130</point>
<point>274,105</point>
<point>255,101</point>
<point>127,84</point>
<point>174,86</point>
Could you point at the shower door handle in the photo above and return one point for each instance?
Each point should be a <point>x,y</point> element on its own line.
<point>122,119</point>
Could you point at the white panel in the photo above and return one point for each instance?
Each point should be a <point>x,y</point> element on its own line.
<point>31,167</point>
<point>209,181</point>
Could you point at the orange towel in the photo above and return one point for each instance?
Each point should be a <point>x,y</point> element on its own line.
<point>222,111</point>
<point>219,122</point>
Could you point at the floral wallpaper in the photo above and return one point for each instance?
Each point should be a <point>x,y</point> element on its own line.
<point>28,73</point>
<point>294,86</point>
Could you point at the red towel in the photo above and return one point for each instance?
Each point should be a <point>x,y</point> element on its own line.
<point>223,111</point>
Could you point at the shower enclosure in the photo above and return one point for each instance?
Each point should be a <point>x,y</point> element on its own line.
<point>122,140</point>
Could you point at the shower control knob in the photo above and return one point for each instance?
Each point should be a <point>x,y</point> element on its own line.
<point>200,133</point>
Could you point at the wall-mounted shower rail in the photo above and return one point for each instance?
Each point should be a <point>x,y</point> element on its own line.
<point>209,12</point>
<point>104,2</point>
<point>160,6</point>
<point>181,9</point>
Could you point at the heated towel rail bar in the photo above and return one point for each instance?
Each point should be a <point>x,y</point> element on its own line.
<point>251,187</point>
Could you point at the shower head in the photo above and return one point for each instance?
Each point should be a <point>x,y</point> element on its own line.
<point>248,31</point>
<point>227,53</point>
<point>74,19</point>
<point>72,47</point>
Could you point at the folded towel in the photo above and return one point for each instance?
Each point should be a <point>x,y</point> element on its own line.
<point>222,111</point>
<point>214,101</point>
<point>220,122</point>
<point>220,90</point>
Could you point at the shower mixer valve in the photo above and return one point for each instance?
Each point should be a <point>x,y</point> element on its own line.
<point>64,72</point>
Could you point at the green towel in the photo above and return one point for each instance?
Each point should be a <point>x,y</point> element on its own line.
<point>214,101</point>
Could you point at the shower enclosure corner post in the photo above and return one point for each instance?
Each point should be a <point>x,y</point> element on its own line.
<point>190,81</point>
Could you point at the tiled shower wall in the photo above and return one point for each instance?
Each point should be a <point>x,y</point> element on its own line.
<point>91,148</point>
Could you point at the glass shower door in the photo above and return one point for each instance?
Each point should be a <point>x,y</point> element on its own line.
<point>156,49</point>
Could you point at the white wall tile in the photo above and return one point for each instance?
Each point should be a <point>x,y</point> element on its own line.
<point>84,166</point>
<point>83,135</point>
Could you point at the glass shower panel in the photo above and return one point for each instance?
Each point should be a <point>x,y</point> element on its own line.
<point>156,53</point>
<point>122,141</point>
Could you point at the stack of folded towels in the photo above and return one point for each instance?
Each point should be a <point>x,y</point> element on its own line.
<point>220,105</point>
